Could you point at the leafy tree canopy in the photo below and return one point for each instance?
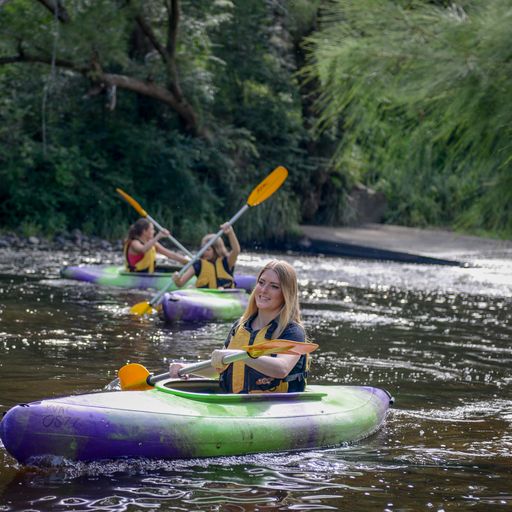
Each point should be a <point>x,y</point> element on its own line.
<point>422,95</point>
<point>186,104</point>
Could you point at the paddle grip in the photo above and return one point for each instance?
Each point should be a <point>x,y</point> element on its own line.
<point>191,368</point>
<point>195,367</point>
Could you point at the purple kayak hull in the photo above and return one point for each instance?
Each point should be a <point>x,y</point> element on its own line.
<point>196,305</point>
<point>165,423</point>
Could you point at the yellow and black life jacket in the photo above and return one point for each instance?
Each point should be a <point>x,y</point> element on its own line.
<point>240,378</point>
<point>145,264</point>
<point>214,275</point>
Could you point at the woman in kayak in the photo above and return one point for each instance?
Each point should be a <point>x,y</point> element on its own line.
<point>142,246</point>
<point>216,267</point>
<point>273,312</point>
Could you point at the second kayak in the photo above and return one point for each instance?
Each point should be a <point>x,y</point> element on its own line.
<point>115,275</point>
<point>203,305</point>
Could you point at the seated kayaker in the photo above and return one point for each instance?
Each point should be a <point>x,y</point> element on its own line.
<point>216,267</point>
<point>142,246</point>
<point>273,312</point>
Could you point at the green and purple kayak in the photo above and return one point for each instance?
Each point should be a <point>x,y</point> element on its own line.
<point>115,275</point>
<point>189,419</point>
<point>203,305</point>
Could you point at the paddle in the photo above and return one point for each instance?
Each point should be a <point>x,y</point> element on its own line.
<point>259,194</point>
<point>143,213</point>
<point>134,376</point>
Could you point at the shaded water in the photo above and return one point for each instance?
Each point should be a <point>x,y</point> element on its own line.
<point>438,338</point>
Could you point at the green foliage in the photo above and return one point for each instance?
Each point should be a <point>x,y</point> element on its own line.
<point>64,154</point>
<point>422,93</point>
<point>414,97</point>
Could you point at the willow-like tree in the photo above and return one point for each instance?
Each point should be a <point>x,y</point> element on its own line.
<point>420,95</point>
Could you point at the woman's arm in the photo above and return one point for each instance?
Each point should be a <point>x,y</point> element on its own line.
<point>170,254</point>
<point>181,280</point>
<point>233,242</point>
<point>281,365</point>
<point>276,367</point>
<point>138,247</point>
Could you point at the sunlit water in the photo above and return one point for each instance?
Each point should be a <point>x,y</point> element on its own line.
<point>438,338</point>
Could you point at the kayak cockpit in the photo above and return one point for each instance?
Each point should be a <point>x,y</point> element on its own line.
<point>206,390</point>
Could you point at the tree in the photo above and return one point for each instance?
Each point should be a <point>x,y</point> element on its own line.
<point>72,133</point>
<point>132,46</point>
<point>422,95</point>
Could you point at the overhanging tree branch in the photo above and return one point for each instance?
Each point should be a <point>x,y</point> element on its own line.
<point>171,94</point>
<point>96,74</point>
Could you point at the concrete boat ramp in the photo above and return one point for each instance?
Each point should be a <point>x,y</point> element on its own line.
<point>399,243</point>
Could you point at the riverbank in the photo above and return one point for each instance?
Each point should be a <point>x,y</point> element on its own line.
<point>400,243</point>
<point>368,241</point>
<point>75,240</point>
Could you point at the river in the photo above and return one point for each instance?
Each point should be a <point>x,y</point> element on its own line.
<point>437,338</point>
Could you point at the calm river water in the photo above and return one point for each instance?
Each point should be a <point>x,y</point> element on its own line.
<point>438,338</point>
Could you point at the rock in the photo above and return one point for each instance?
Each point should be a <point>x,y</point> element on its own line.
<point>60,241</point>
<point>76,236</point>
<point>304,243</point>
<point>365,205</point>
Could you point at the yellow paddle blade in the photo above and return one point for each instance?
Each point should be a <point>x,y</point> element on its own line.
<point>142,308</point>
<point>280,347</point>
<point>268,186</point>
<point>129,199</point>
<point>133,377</point>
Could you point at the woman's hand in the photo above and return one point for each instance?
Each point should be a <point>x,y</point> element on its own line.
<point>164,233</point>
<point>227,228</point>
<point>218,356</point>
<point>174,368</point>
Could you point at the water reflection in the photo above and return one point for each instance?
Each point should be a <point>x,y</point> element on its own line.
<point>438,338</point>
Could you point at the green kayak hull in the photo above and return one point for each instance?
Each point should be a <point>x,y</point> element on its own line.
<point>115,275</point>
<point>198,305</point>
<point>189,419</point>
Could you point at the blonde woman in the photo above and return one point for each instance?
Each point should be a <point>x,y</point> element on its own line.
<point>273,312</point>
<point>216,267</point>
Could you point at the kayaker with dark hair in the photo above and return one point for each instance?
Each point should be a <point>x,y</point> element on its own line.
<point>273,312</point>
<point>142,246</point>
<point>216,267</point>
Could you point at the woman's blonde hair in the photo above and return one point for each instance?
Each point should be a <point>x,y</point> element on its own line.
<point>290,312</point>
<point>218,246</point>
